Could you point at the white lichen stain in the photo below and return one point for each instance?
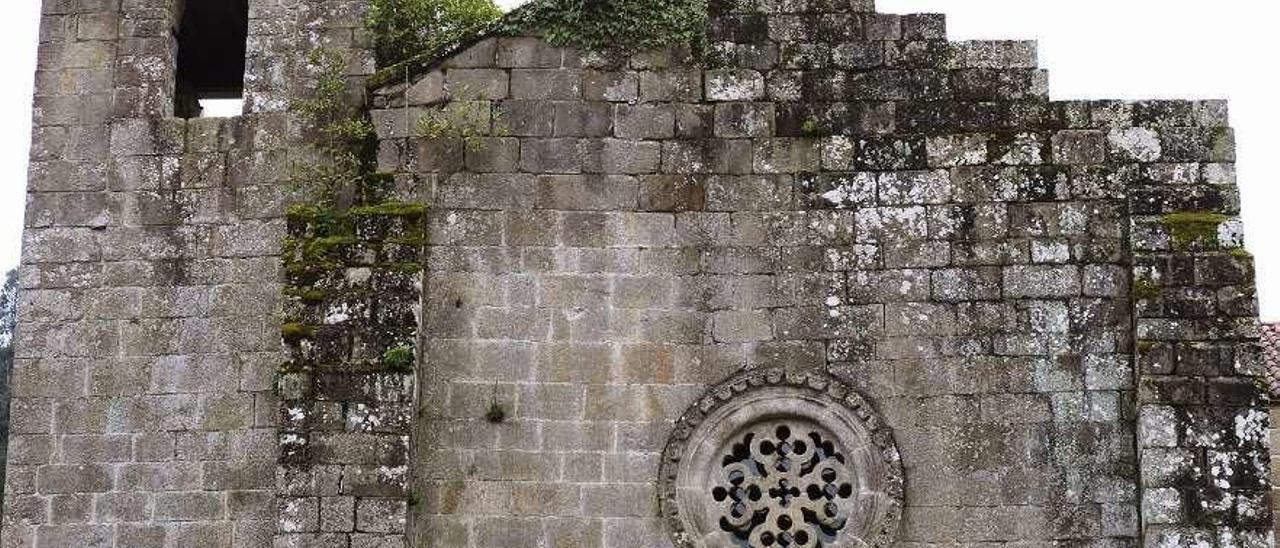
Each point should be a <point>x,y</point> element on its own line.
<point>837,151</point>
<point>1025,150</point>
<point>337,314</point>
<point>733,87</point>
<point>356,276</point>
<point>837,196</point>
<point>362,419</point>
<point>1231,233</point>
<point>1141,144</point>
<point>754,123</point>
<point>1251,427</point>
<point>849,191</point>
<point>1174,539</point>
<point>1220,470</point>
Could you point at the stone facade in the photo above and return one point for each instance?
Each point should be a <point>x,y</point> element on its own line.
<point>1044,303</point>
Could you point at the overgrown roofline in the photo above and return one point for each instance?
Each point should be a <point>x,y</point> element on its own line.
<point>426,62</point>
<point>592,25</point>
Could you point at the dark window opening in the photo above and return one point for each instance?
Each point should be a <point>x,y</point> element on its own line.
<point>211,50</point>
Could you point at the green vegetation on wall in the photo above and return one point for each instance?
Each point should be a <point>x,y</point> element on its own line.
<point>342,138</point>
<point>411,34</point>
<point>1145,289</point>
<point>344,220</point>
<point>404,29</point>
<point>460,119</point>
<point>621,25</point>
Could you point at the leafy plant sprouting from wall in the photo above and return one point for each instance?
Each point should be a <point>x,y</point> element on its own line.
<point>403,29</point>
<point>460,119</point>
<point>343,138</point>
<point>465,119</point>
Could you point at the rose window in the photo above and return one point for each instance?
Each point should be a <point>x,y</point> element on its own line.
<point>783,489</point>
<point>771,459</point>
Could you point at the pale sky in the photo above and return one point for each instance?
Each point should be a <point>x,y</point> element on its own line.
<point>1094,49</point>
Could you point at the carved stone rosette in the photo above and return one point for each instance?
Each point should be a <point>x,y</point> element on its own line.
<point>771,458</point>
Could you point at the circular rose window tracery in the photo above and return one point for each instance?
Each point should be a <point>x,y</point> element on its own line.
<point>774,459</point>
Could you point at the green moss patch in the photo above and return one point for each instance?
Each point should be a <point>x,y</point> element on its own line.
<point>293,333</point>
<point>1241,253</point>
<point>390,209</point>
<point>1188,229</point>
<point>1145,289</point>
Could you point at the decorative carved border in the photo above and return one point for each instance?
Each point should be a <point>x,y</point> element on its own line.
<point>1271,358</point>
<point>756,379</point>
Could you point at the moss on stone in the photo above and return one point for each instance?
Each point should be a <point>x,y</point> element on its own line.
<point>1190,228</point>
<point>288,367</point>
<point>1145,289</point>
<point>308,295</point>
<point>304,211</point>
<point>404,267</point>
<point>320,252</point>
<point>293,333</point>
<point>409,240</point>
<point>390,209</point>
<point>810,128</point>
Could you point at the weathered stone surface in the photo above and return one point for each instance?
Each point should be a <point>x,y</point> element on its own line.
<point>909,215</point>
<point>1046,302</point>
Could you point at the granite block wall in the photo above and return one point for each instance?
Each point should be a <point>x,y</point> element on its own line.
<point>843,191</point>
<point>1047,302</point>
